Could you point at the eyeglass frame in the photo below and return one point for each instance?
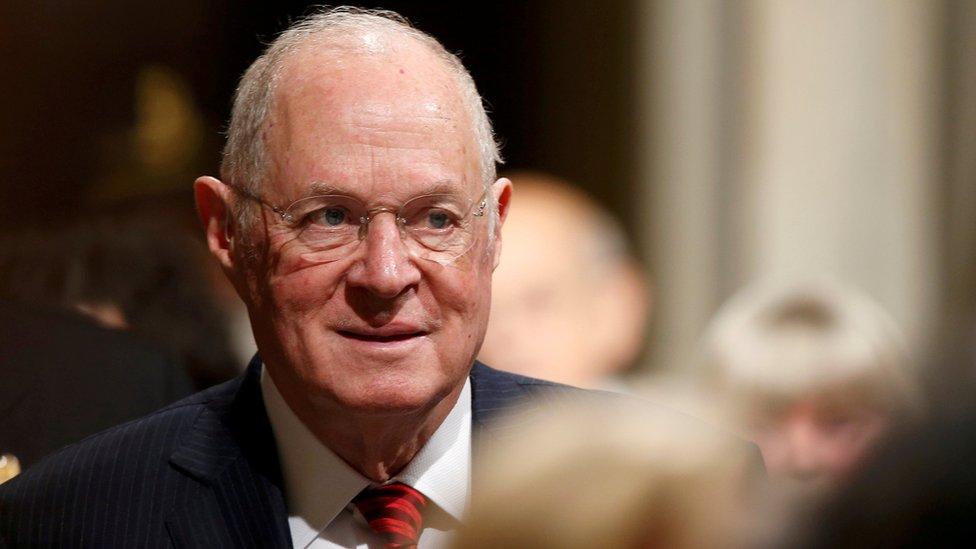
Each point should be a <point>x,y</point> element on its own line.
<point>478,209</point>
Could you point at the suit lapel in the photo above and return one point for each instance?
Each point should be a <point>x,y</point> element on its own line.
<point>231,453</point>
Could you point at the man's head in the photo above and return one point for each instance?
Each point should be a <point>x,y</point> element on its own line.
<point>374,299</point>
<point>818,372</point>
<point>569,301</point>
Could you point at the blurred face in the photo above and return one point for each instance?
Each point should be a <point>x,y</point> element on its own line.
<point>538,284</point>
<point>816,441</point>
<point>586,313</point>
<point>379,330</point>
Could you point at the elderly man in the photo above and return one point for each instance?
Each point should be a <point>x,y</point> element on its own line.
<point>358,217</point>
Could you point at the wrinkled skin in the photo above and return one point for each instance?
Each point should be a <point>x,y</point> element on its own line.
<point>371,350</point>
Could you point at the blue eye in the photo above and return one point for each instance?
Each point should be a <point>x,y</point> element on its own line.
<point>331,216</point>
<point>438,220</point>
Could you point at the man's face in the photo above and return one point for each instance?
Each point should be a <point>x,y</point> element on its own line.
<point>817,440</point>
<point>381,330</point>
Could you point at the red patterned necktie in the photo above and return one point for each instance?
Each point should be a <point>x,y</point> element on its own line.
<point>395,512</point>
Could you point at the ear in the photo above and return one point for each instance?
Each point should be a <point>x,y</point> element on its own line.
<point>213,207</point>
<point>502,192</point>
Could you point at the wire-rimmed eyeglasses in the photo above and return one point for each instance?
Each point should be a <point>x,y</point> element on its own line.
<point>439,227</point>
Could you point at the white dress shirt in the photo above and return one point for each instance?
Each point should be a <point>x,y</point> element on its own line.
<point>320,486</point>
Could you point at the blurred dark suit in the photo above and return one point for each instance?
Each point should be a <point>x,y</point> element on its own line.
<point>63,378</point>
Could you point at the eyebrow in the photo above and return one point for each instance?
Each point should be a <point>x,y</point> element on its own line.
<point>319,188</point>
<point>442,186</point>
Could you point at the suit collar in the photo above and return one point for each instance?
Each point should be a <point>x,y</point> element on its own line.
<point>231,452</point>
<point>231,424</point>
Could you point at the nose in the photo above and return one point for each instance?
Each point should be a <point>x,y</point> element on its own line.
<point>385,268</point>
<point>804,450</point>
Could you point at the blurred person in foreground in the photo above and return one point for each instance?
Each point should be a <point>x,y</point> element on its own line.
<point>358,216</point>
<point>569,302</point>
<point>814,373</point>
<point>586,475</point>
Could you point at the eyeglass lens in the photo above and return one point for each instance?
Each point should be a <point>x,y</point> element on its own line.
<point>439,227</point>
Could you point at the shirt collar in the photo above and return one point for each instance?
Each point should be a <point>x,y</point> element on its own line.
<point>441,470</point>
<point>319,484</point>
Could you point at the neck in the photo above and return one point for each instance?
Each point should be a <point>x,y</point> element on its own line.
<point>377,445</point>
<point>380,447</point>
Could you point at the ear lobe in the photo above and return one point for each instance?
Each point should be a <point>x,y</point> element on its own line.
<point>502,192</point>
<point>213,208</point>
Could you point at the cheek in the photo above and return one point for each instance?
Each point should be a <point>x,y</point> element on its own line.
<point>460,298</point>
<point>462,285</point>
<point>303,288</point>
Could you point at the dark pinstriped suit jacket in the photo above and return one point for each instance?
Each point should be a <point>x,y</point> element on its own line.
<point>202,472</point>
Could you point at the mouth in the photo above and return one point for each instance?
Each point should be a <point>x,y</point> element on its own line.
<point>381,338</point>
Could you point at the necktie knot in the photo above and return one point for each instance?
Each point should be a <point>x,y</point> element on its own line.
<point>395,512</point>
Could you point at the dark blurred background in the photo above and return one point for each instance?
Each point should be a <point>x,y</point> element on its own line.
<point>111,101</point>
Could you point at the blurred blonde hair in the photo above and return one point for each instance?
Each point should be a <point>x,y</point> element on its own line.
<point>781,342</point>
<point>590,475</point>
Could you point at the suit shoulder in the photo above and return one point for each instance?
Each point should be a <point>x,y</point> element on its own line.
<point>495,393</point>
<point>142,441</point>
<point>482,374</point>
<point>80,491</point>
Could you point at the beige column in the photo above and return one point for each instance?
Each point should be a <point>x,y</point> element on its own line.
<point>814,154</point>
<point>679,96</point>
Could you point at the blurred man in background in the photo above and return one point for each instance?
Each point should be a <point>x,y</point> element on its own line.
<point>140,271</point>
<point>63,378</point>
<point>917,490</point>
<point>102,320</point>
<point>569,301</point>
<point>815,374</point>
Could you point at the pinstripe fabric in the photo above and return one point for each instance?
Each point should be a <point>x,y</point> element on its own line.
<point>200,473</point>
<point>494,392</point>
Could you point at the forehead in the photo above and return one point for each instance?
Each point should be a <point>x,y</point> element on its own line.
<point>375,123</point>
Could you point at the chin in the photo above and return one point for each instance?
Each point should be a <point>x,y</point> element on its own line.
<point>388,395</point>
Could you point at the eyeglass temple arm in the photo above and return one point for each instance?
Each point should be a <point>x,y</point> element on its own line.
<point>285,216</point>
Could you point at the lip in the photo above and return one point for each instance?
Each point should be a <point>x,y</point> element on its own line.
<point>388,335</point>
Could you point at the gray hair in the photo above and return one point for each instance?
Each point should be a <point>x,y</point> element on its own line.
<point>246,160</point>
<point>786,340</point>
